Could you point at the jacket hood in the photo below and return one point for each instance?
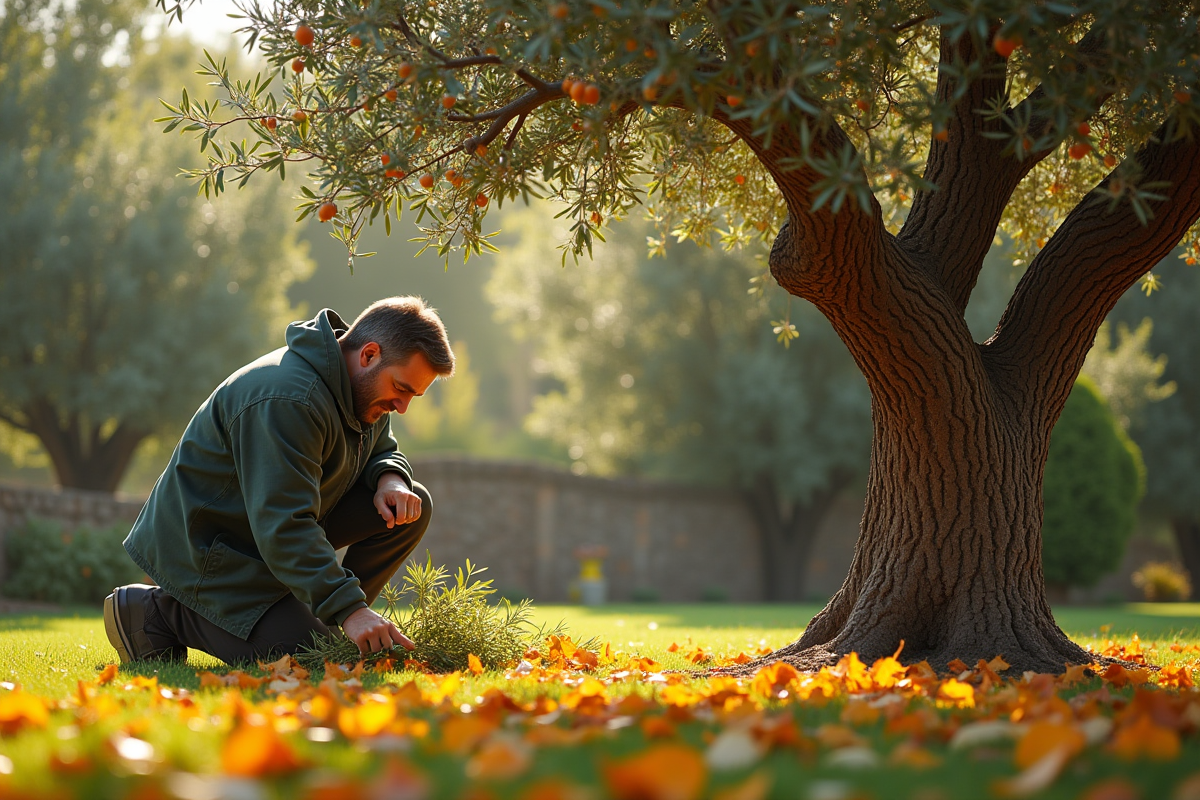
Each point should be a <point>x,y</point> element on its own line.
<point>316,341</point>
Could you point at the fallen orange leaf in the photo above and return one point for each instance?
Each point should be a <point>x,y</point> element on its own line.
<point>107,675</point>
<point>368,719</point>
<point>255,751</point>
<point>1143,738</point>
<point>1043,737</point>
<point>662,772</point>
<point>501,758</point>
<point>755,787</point>
<point>657,728</point>
<point>1176,676</point>
<point>462,733</point>
<point>1111,789</point>
<point>956,693</point>
<point>554,789</point>
<point>19,710</point>
<point>474,664</point>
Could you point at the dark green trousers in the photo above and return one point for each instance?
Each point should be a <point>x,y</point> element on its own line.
<point>375,553</point>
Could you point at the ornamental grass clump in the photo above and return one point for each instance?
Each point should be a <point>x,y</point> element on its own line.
<point>448,620</point>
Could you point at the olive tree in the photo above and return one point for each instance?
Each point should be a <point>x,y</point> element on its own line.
<point>880,145</point>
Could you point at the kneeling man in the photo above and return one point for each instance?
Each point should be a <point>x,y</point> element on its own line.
<point>289,459</point>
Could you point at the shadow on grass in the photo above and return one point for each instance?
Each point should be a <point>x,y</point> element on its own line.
<point>31,620</point>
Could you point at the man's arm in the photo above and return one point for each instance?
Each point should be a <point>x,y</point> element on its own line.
<point>276,447</point>
<point>385,457</point>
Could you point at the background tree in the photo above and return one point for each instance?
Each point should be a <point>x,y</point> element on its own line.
<point>1094,481</point>
<point>879,145</point>
<point>669,368</point>
<point>126,297</point>
<point>1168,431</point>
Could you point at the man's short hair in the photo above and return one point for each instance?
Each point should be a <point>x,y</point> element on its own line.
<point>402,326</point>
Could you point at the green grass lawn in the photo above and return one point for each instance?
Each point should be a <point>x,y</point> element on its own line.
<point>49,653</point>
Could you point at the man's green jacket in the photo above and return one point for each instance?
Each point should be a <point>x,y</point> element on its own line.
<point>234,523</point>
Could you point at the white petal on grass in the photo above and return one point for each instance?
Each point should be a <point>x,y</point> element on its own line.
<point>733,749</point>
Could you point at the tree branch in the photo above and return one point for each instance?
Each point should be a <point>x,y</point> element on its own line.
<point>1094,257</point>
<point>8,419</point>
<point>951,227</point>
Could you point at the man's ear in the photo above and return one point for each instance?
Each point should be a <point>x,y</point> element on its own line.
<point>368,354</point>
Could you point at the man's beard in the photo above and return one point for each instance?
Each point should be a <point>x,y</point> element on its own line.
<point>365,401</point>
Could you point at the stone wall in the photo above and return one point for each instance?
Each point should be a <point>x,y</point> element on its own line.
<point>525,521</point>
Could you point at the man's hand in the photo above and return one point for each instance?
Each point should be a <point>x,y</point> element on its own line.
<point>372,632</point>
<point>395,502</point>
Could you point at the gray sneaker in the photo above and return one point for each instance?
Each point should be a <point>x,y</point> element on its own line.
<point>125,625</point>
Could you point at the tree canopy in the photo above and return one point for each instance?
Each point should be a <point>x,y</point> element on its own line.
<point>126,297</point>
<point>483,98</point>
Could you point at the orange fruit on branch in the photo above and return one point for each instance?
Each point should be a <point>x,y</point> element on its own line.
<point>298,65</point>
<point>327,211</point>
<point>1110,161</point>
<point>404,70</point>
<point>733,100</point>
<point>427,181</point>
<point>1083,128</point>
<point>270,122</point>
<point>1183,97</point>
<point>304,35</point>
<point>356,41</point>
<point>394,173</point>
<point>1078,151</point>
<point>391,94</point>
<point>299,116</point>
<point>559,11</point>
<point>448,101</point>
<point>384,159</point>
<point>591,95</point>
<point>739,179</point>
<point>1005,46</point>
<point>567,84</point>
<point>481,199</point>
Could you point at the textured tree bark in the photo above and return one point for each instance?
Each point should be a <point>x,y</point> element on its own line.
<point>787,541</point>
<point>949,553</point>
<point>1187,537</point>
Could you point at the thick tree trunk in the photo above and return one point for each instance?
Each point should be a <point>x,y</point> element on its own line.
<point>1187,537</point>
<point>949,553</point>
<point>788,530</point>
<point>83,458</point>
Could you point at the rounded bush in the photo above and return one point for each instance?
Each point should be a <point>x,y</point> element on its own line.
<point>1093,482</point>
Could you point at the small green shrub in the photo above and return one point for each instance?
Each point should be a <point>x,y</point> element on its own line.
<point>1093,481</point>
<point>53,564</point>
<point>447,620</point>
<point>1163,582</point>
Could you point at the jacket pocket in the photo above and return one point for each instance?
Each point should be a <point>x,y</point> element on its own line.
<point>235,585</point>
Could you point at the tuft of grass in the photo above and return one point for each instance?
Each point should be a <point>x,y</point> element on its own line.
<point>448,620</point>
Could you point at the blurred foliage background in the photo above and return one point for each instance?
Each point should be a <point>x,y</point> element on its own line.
<point>126,298</point>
